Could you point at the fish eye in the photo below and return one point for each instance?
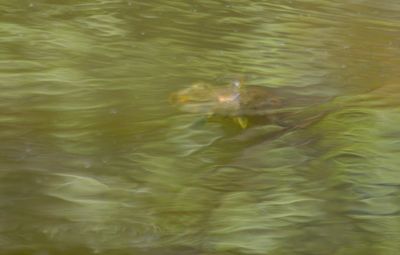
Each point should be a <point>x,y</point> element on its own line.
<point>236,83</point>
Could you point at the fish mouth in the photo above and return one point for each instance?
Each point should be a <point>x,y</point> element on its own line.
<point>182,99</point>
<point>197,107</point>
<point>228,98</point>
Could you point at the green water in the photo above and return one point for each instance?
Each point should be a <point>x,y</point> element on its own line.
<point>94,159</point>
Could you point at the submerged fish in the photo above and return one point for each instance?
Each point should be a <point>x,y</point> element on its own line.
<point>244,102</point>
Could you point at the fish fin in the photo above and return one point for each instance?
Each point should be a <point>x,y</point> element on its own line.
<point>242,121</point>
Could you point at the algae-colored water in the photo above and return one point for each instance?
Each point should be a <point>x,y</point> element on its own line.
<point>94,159</point>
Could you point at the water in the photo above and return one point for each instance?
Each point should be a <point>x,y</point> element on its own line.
<point>94,159</point>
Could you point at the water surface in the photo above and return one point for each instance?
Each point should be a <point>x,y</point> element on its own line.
<point>94,159</point>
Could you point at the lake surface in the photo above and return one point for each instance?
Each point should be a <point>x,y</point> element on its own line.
<point>95,160</point>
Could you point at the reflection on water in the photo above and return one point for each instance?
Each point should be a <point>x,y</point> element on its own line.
<point>95,160</point>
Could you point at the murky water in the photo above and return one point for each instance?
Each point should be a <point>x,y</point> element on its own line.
<point>94,159</point>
